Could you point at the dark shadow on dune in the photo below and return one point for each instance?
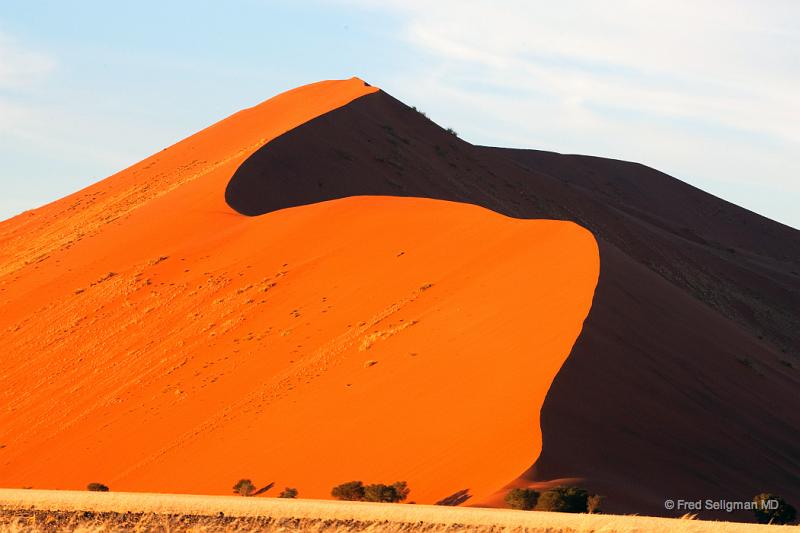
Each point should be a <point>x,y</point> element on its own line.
<point>651,402</point>
<point>264,489</point>
<point>457,498</point>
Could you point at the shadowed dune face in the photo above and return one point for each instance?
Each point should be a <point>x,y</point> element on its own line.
<point>684,379</point>
<point>156,340</point>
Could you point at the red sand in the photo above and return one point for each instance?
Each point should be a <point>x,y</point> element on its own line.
<point>156,340</point>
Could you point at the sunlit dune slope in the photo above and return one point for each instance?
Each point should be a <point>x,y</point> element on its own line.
<point>154,339</point>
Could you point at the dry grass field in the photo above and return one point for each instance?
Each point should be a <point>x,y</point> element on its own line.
<point>42,510</point>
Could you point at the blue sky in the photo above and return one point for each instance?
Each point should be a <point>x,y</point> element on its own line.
<point>704,90</point>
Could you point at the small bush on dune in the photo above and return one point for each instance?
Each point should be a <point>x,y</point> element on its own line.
<point>421,112</point>
<point>522,499</point>
<point>563,500</point>
<point>244,487</point>
<point>97,487</point>
<point>350,491</point>
<point>288,492</point>
<point>379,492</point>
<point>781,513</point>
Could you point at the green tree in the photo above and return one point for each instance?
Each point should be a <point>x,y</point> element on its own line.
<point>564,500</point>
<point>593,504</point>
<point>288,492</point>
<point>244,487</point>
<point>350,491</point>
<point>378,492</point>
<point>401,489</point>
<point>523,499</point>
<point>772,509</point>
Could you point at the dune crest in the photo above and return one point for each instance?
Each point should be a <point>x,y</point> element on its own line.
<point>201,165</point>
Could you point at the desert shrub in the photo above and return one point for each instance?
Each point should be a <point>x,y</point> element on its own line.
<point>452,132</point>
<point>244,487</point>
<point>421,112</point>
<point>288,492</point>
<point>379,492</point>
<point>97,487</point>
<point>593,504</point>
<point>402,490</point>
<point>563,500</point>
<point>783,513</point>
<point>350,491</point>
<point>523,499</point>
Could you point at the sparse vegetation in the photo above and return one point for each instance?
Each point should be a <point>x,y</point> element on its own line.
<point>288,492</point>
<point>97,487</point>
<point>564,500</point>
<point>244,487</point>
<point>24,511</point>
<point>419,111</point>
<point>350,491</point>
<point>594,503</point>
<point>394,493</point>
<point>522,499</point>
<point>452,132</point>
<point>377,492</point>
<point>772,509</point>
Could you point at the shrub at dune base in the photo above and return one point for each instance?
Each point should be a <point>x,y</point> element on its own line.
<point>563,500</point>
<point>244,487</point>
<point>288,492</point>
<point>97,487</point>
<point>377,492</point>
<point>522,499</point>
<point>350,491</point>
<point>594,503</point>
<point>783,513</point>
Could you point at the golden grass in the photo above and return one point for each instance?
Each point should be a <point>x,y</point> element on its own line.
<point>90,512</point>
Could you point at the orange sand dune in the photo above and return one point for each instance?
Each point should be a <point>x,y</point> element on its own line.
<point>154,339</point>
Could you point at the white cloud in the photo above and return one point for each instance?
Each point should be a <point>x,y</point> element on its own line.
<point>645,80</point>
<point>729,62</point>
<point>19,67</point>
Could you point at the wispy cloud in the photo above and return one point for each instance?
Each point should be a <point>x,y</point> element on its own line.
<point>21,67</point>
<point>715,61</point>
<point>706,88</point>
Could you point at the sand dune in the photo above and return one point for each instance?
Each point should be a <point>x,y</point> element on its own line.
<point>684,379</point>
<point>329,286</point>
<point>157,340</point>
